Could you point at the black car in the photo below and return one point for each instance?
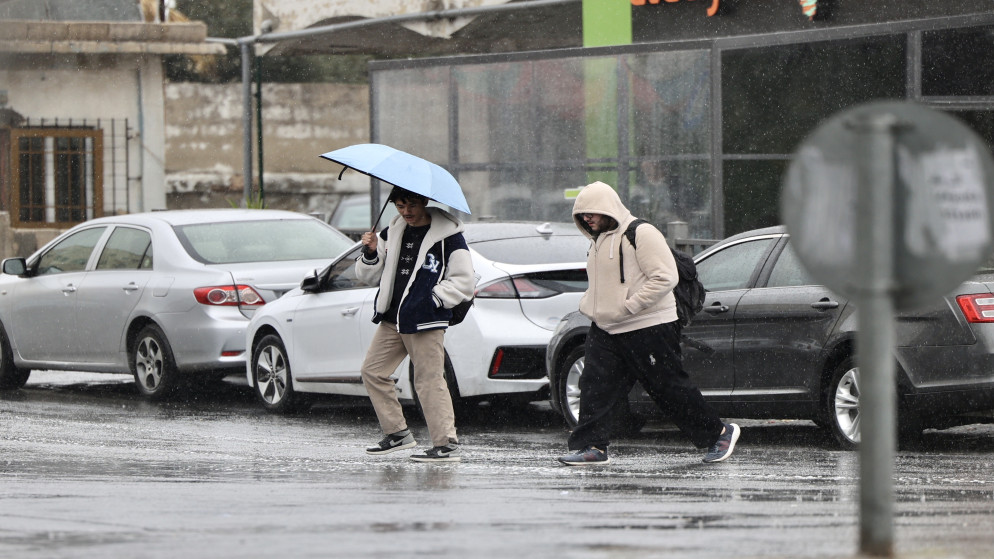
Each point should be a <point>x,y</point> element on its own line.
<point>772,343</point>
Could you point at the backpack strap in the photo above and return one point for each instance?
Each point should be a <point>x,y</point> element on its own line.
<point>630,234</point>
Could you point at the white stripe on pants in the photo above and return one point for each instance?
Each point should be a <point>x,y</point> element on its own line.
<point>386,352</point>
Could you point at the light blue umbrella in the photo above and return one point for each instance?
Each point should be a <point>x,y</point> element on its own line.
<point>402,169</point>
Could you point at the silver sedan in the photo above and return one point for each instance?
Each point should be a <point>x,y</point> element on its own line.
<point>164,296</point>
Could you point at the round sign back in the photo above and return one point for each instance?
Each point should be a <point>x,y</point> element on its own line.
<point>942,191</point>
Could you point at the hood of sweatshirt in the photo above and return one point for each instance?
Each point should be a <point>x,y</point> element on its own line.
<point>599,198</point>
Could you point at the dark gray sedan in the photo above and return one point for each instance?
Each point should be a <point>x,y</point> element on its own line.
<point>772,343</point>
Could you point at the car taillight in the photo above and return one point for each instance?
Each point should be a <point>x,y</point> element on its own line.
<point>978,307</point>
<point>228,295</point>
<point>520,287</point>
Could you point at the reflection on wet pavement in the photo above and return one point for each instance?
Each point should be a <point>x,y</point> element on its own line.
<point>90,469</point>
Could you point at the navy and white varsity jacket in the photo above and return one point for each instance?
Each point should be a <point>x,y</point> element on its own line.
<point>435,288</point>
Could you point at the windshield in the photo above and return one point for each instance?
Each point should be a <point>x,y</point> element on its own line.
<point>553,249</point>
<point>261,241</point>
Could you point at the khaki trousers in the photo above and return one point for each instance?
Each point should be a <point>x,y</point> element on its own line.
<point>385,354</point>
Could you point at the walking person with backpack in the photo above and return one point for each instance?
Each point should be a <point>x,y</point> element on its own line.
<point>424,271</point>
<point>634,335</point>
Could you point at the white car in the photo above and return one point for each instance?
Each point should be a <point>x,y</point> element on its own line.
<point>314,338</point>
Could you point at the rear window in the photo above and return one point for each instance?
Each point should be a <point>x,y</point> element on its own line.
<point>261,241</point>
<point>553,249</point>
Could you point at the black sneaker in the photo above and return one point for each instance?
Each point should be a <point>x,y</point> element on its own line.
<point>447,453</point>
<point>590,456</point>
<point>723,447</point>
<point>393,442</point>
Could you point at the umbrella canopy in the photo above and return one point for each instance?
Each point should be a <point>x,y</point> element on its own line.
<point>402,169</point>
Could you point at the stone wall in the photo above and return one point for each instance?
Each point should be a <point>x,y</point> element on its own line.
<point>300,121</point>
<point>203,163</point>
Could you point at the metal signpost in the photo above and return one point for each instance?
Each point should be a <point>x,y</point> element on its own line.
<point>888,203</point>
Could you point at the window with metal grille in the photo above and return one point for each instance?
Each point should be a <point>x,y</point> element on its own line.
<point>57,176</point>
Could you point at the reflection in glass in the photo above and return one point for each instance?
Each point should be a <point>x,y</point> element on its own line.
<point>957,62</point>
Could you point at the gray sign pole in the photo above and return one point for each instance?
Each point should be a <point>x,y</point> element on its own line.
<point>875,339</point>
<point>888,204</point>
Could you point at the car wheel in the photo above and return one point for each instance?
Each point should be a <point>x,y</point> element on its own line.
<point>569,385</point>
<point>153,365</point>
<point>271,373</point>
<point>450,382</point>
<point>842,404</point>
<point>11,376</point>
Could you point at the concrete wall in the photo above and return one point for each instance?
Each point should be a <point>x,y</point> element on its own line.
<point>300,121</point>
<point>92,88</point>
<point>98,88</point>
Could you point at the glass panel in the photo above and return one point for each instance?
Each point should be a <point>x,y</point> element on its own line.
<point>752,194</point>
<point>31,168</point>
<point>673,190</point>
<point>733,267</point>
<point>520,112</point>
<point>126,250</point>
<point>541,198</point>
<point>57,178</point>
<point>342,274</point>
<point>261,241</point>
<point>70,179</point>
<point>412,111</point>
<point>553,249</point>
<point>71,254</point>
<point>957,62</point>
<point>669,94</point>
<point>788,271</point>
<point>773,97</point>
<point>982,122</point>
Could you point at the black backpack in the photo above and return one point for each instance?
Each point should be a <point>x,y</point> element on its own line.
<point>689,291</point>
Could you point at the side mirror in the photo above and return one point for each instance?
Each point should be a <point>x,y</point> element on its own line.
<point>311,283</point>
<point>15,266</point>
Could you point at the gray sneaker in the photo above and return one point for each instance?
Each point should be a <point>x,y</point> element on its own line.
<point>393,442</point>
<point>725,445</point>
<point>447,453</point>
<point>588,456</point>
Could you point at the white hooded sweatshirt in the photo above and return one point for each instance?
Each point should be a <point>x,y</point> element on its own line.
<point>646,298</point>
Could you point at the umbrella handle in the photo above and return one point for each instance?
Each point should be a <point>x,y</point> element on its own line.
<point>342,173</point>
<point>377,222</point>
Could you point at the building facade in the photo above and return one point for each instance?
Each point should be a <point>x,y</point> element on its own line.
<point>82,128</point>
<point>697,119</point>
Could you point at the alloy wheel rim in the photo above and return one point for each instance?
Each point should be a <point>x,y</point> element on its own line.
<point>271,375</point>
<point>847,405</point>
<point>148,363</point>
<point>573,388</point>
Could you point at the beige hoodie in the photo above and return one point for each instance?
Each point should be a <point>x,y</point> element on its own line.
<point>646,298</point>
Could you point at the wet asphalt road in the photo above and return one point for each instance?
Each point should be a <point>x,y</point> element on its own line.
<point>91,470</point>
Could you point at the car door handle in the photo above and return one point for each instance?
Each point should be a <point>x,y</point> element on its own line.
<point>130,287</point>
<point>716,308</point>
<point>69,289</point>
<point>824,304</point>
<point>350,311</point>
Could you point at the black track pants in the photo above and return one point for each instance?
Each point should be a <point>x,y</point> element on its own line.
<point>612,364</point>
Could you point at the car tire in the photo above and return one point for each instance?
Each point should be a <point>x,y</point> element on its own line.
<point>841,404</point>
<point>272,377</point>
<point>11,376</point>
<point>153,365</point>
<point>569,385</point>
<point>450,382</point>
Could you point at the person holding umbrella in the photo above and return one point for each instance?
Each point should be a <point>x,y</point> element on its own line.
<point>423,268</point>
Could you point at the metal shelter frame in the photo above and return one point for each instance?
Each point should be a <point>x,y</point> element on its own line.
<point>247,44</point>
